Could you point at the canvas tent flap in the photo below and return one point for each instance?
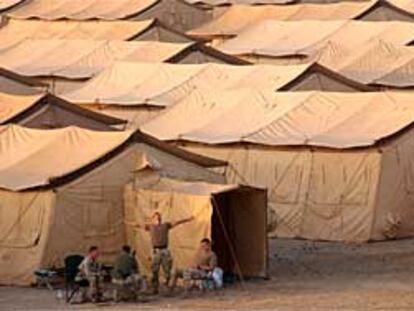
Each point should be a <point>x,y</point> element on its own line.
<point>81,9</point>
<point>282,119</point>
<point>25,220</point>
<point>31,158</point>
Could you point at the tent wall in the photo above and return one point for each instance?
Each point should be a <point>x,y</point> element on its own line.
<point>386,13</point>
<point>194,56</point>
<point>395,200</point>
<point>184,240</point>
<point>321,81</point>
<point>176,14</point>
<point>262,59</point>
<point>89,211</point>
<point>11,86</point>
<point>161,34</point>
<point>57,85</point>
<point>320,195</point>
<point>53,116</point>
<point>243,214</point>
<point>25,219</point>
<point>136,116</point>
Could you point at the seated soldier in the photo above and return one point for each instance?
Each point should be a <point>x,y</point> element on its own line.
<point>89,270</point>
<point>204,265</point>
<point>126,272</point>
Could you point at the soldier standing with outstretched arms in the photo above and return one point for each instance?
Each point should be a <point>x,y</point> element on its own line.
<point>161,256</point>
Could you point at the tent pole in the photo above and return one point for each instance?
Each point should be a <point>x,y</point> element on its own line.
<point>232,251</point>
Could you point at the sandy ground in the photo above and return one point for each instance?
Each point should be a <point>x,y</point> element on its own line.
<point>304,276</point>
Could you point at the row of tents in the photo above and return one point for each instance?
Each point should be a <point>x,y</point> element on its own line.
<point>159,86</point>
<point>174,13</point>
<point>69,180</point>
<point>146,117</point>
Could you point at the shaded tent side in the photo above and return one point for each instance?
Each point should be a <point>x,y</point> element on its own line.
<point>13,83</point>
<point>53,112</point>
<point>177,14</point>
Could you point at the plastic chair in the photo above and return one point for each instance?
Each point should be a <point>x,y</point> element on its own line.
<point>72,286</point>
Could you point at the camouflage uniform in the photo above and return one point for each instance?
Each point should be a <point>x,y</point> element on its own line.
<point>161,256</point>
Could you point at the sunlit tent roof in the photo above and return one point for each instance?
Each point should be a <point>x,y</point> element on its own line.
<point>177,14</point>
<point>380,63</point>
<point>16,31</point>
<point>81,58</point>
<point>82,9</point>
<point>13,105</point>
<point>407,5</point>
<point>7,4</point>
<point>165,84</point>
<point>238,17</point>
<point>306,38</point>
<point>35,158</point>
<point>47,111</point>
<point>13,83</point>
<point>31,158</point>
<point>334,120</point>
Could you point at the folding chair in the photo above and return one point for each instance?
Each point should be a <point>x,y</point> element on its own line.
<point>47,277</point>
<point>72,286</point>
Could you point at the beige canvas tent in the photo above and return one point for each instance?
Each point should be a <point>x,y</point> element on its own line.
<point>47,111</point>
<point>233,217</point>
<point>156,86</point>
<point>337,166</point>
<point>13,83</point>
<point>65,64</point>
<point>327,42</point>
<point>239,17</point>
<point>15,31</point>
<point>62,191</point>
<point>177,14</point>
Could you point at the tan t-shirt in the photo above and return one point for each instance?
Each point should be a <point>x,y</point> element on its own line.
<point>159,234</point>
<point>206,259</point>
